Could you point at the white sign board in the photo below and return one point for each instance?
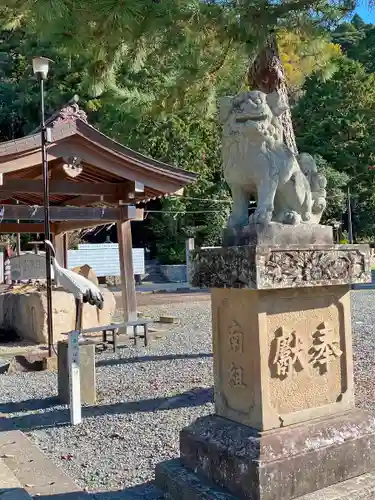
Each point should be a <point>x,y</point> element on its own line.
<point>104,258</point>
<point>74,378</point>
<point>28,266</point>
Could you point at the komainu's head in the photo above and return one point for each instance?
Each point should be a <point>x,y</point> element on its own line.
<point>251,106</point>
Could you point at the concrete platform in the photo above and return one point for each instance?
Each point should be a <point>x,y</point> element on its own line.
<point>10,487</point>
<point>35,473</point>
<point>182,484</point>
<point>7,478</point>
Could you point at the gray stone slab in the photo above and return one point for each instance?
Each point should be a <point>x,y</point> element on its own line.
<point>181,484</point>
<point>357,488</point>
<point>283,463</point>
<point>276,234</point>
<point>31,467</point>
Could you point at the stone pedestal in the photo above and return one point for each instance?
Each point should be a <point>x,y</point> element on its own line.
<point>285,423</point>
<point>87,372</point>
<point>282,357</point>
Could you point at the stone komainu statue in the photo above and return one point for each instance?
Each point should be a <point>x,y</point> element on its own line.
<point>255,160</point>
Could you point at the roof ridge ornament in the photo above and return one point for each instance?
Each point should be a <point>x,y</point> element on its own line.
<point>70,113</point>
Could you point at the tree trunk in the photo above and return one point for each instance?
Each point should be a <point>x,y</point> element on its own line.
<point>267,74</point>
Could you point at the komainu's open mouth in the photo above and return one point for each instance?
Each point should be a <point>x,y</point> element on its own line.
<point>247,118</point>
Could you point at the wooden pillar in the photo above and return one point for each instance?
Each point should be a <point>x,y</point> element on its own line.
<point>18,240</point>
<point>18,244</point>
<point>129,300</point>
<point>61,247</point>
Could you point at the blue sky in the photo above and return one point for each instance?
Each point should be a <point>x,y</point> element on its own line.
<point>367,15</point>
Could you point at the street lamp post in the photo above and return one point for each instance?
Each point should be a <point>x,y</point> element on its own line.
<point>40,68</point>
<point>350,223</point>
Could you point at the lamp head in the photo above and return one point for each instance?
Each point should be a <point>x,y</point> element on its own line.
<point>41,67</point>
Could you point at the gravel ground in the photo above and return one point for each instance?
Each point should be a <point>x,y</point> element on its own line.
<point>145,397</point>
<point>143,299</point>
<point>363,323</point>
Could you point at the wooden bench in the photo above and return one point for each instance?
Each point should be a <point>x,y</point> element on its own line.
<point>114,328</point>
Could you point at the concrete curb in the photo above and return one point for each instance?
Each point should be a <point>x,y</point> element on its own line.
<point>36,473</point>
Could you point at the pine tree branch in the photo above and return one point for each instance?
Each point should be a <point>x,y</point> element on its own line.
<point>280,10</point>
<point>213,71</point>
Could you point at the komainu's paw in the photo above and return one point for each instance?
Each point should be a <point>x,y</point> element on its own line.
<point>261,217</point>
<point>292,218</point>
<point>306,216</point>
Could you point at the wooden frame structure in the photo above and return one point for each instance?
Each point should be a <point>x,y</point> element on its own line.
<point>109,182</point>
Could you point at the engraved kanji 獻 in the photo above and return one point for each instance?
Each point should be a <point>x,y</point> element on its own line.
<point>235,338</point>
<point>236,376</point>
<point>289,351</point>
<point>325,346</point>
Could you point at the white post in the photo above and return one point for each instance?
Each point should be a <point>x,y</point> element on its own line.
<point>189,246</point>
<point>74,378</point>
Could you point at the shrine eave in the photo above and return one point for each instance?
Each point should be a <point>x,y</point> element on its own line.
<point>103,159</point>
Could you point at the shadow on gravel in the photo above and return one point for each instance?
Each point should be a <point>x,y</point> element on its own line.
<point>60,416</point>
<point>29,405</point>
<point>145,491</point>
<point>145,359</point>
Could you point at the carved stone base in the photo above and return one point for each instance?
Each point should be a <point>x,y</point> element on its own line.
<point>276,234</point>
<point>283,464</point>
<point>264,267</point>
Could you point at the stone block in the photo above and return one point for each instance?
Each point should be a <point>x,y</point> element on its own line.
<point>278,235</point>
<point>183,484</point>
<point>87,372</point>
<point>283,464</point>
<point>50,363</point>
<point>282,356</point>
<point>264,267</point>
<point>26,313</point>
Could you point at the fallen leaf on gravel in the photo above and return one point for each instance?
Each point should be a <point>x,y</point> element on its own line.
<point>116,435</point>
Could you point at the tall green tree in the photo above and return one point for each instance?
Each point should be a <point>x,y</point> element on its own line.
<point>335,120</point>
<point>19,91</point>
<point>153,79</point>
<point>198,41</point>
<point>191,142</point>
